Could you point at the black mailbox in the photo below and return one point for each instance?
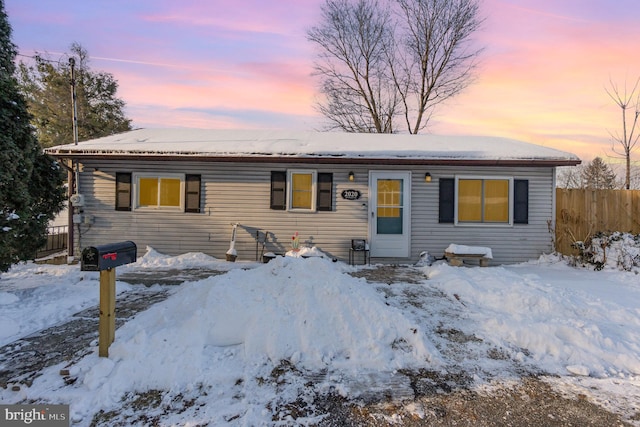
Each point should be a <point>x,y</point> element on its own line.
<point>110,255</point>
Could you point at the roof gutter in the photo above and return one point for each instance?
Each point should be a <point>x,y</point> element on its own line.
<point>410,161</point>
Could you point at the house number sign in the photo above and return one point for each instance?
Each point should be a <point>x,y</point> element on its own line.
<point>351,194</point>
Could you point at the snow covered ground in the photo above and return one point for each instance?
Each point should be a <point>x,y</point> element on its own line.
<point>235,349</point>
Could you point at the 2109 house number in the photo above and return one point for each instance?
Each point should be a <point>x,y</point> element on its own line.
<point>351,194</point>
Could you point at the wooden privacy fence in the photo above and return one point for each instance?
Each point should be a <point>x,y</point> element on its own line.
<point>580,213</point>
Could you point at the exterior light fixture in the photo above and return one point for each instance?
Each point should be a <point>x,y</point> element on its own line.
<point>427,177</point>
<point>351,176</point>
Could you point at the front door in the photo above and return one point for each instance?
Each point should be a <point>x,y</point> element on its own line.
<point>389,214</point>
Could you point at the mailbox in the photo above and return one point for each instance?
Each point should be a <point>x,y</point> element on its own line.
<point>108,256</point>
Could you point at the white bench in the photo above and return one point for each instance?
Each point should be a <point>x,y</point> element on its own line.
<point>457,254</point>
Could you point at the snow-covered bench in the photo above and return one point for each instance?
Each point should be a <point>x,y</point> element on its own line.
<point>456,254</point>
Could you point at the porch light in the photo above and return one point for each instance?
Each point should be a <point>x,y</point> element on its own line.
<point>351,176</point>
<point>427,177</point>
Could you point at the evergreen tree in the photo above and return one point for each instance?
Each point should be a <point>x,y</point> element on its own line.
<point>598,175</point>
<point>46,84</point>
<point>31,191</point>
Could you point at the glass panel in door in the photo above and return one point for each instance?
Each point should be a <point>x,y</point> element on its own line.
<point>389,206</point>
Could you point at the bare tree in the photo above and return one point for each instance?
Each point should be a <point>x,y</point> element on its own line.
<point>386,62</point>
<point>629,102</point>
<point>634,179</point>
<point>354,39</point>
<point>569,176</point>
<point>438,62</point>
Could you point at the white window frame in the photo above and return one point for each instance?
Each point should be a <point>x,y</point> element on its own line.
<point>314,189</point>
<point>136,187</point>
<point>509,223</point>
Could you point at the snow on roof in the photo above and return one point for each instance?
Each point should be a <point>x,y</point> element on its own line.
<point>281,143</point>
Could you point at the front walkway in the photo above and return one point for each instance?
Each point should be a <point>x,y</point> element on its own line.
<point>391,274</point>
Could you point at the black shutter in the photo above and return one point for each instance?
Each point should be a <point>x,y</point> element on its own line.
<point>278,190</point>
<point>324,198</point>
<point>521,201</point>
<point>192,193</point>
<point>446,200</point>
<point>123,191</point>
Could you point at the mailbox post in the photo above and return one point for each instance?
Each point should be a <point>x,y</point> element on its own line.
<point>105,259</point>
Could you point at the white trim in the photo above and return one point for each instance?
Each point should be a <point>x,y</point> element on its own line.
<point>509,223</point>
<point>314,189</point>
<point>136,185</point>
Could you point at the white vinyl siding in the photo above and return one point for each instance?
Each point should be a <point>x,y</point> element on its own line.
<point>517,243</point>
<point>230,193</point>
<point>241,192</point>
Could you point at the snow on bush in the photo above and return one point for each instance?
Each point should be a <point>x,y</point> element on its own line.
<point>613,250</point>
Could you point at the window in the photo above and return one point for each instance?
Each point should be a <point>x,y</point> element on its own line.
<point>325,192</point>
<point>192,193</point>
<point>171,191</point>
<point>123,191</point>
<point>521,201</point>
<point>159,192</point>
<point>447,207</point>
<point>278,190</point>
<point>484,200</point>
<point>390,210</point>
<point>301,190</point>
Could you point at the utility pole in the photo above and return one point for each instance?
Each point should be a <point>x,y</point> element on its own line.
<point>73,171</point>
<point>72,63</point>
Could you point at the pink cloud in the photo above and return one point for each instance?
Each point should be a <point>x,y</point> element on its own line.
<point>252,16</point>
<point>542,80</point>
<point>194,89</point>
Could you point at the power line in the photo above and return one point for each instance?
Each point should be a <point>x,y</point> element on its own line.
<point>39,58</point>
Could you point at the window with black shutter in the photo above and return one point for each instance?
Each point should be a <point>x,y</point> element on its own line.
<point>521,201</point>
<point>278,190</point>
<point>325,192</point>
<point>446,206</point>
<point>123,191</point>
<point>192,193</point>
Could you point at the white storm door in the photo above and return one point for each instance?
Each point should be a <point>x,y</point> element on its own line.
<point>389,214</point>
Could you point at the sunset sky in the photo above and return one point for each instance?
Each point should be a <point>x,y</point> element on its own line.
<point>248,64</point>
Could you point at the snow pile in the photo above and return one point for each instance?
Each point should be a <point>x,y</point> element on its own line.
<point>307,252</point>
<point>556,317</point>
<point>153,259</point>
<point>469,250</point>
<point>611,250</point>
<point>304,311</point>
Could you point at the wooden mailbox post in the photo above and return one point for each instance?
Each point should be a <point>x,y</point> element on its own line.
<point>105,259</point>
